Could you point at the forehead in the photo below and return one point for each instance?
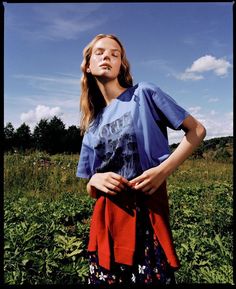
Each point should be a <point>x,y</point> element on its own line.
<point>107,43</point>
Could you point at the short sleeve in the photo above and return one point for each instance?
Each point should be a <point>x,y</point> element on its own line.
<point>85,159</point>
<point>167,110</point>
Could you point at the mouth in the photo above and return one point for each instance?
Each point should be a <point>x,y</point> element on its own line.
<point>105,66</point>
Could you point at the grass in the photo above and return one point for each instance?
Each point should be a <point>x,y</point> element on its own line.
<point>47,215</point>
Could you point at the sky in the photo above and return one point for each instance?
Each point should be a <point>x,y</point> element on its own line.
<point>184,48</point>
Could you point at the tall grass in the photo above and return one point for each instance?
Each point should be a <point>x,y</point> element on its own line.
<point>41,175</point>
<point>47,216</point>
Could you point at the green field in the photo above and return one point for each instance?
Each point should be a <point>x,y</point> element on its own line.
<point>47,214</point>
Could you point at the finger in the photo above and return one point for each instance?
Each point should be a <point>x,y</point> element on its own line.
<point>141,185</point>
<point>150,192</point>
<point>137,179</point>
<point>118,184</point>
<point>121,180</point>
<point>146,189</point>
<point>110,192</point>
<point>113,187</point>
<point>106,190</point>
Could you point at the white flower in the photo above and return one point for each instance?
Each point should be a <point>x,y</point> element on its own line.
<point>91,268</point>
<point>155,270</point>
<point>141,269</point>
<point>133,278</point>
<point>102,276</point>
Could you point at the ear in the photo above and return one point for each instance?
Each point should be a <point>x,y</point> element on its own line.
<point>88,70</point>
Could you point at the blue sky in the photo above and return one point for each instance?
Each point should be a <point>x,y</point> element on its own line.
<point>184,48</point>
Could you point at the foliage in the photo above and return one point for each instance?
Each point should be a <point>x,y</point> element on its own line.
<point>40,174</point>
<point>44,241</point>
<point>221,155</point>
<point>202,226</point>
<point>220,148</point>
<point>47,215</point>
<point>50,136</point>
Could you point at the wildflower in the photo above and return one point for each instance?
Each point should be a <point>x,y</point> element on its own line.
<point>91,268</point>
<point>141,269</point>
<point>102,276</point>
<point>155,270</point>
<point>133,278</point>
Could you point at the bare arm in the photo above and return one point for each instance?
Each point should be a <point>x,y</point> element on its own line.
<point>151,179</point>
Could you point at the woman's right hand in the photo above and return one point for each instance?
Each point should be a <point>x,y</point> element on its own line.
<point>109,183</point>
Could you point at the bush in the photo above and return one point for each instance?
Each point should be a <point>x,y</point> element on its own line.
<point>222,155</point>
<point>47,216</point>
<point>45,242</point>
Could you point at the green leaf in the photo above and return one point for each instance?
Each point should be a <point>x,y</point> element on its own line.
<point>76,252</point>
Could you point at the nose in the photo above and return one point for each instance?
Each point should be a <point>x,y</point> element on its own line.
<point>106,55</point>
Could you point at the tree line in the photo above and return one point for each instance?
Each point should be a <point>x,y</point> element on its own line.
<point>50,136</point>
<point>219,149</point>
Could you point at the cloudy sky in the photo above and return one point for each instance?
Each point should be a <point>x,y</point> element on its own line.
<point>184,48</point>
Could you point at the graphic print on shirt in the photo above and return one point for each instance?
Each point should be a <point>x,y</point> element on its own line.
<point>117,148</point>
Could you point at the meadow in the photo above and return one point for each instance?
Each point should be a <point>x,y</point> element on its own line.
<point>47,214</point>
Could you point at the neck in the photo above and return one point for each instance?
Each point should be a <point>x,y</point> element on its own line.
<point>110,90</point>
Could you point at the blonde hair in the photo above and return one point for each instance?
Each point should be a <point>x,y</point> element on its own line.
<point>91,98</point>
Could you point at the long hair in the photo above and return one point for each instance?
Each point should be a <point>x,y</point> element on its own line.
<point>91,98</point>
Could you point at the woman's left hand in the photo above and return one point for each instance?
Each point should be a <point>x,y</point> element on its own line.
<point>149,181</point>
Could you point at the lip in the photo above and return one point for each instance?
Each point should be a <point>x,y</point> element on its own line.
<point>105,65</point>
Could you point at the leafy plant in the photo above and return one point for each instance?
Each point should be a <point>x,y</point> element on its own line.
<point>47,216</point>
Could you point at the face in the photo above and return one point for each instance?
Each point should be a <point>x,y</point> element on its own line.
<point>105,60</point>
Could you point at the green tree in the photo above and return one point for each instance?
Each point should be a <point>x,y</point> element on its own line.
<point>41,135</point>
<point>50,135</point>
<point>57,135</point>
<point>9,136</point>
<point>23,137</point>
<point>73,139</point>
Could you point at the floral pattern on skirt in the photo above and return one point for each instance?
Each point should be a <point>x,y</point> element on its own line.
<point>150,264</point>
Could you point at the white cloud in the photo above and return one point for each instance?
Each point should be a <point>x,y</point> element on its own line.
<point>205,63</point>
<point>194,110</point>
<point>40,112</point>
<point>189,76</point>
<point>208,62</point>
<point>216,124</point>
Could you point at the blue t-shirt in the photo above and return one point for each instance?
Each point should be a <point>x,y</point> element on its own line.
<point>129,136</point>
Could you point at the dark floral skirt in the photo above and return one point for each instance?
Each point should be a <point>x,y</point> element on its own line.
<point>150,264</point>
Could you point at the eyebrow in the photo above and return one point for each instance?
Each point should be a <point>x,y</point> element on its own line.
<point>100,48</point>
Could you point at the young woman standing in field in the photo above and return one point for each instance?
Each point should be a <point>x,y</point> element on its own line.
<point>125,155</point>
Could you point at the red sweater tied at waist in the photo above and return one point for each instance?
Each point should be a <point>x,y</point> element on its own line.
<point>113,226</point>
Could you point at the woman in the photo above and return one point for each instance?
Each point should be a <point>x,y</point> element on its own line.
<point>125,155</point>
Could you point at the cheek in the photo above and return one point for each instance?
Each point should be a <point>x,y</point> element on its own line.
<point>93,61</point>
<point>118,66</point>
